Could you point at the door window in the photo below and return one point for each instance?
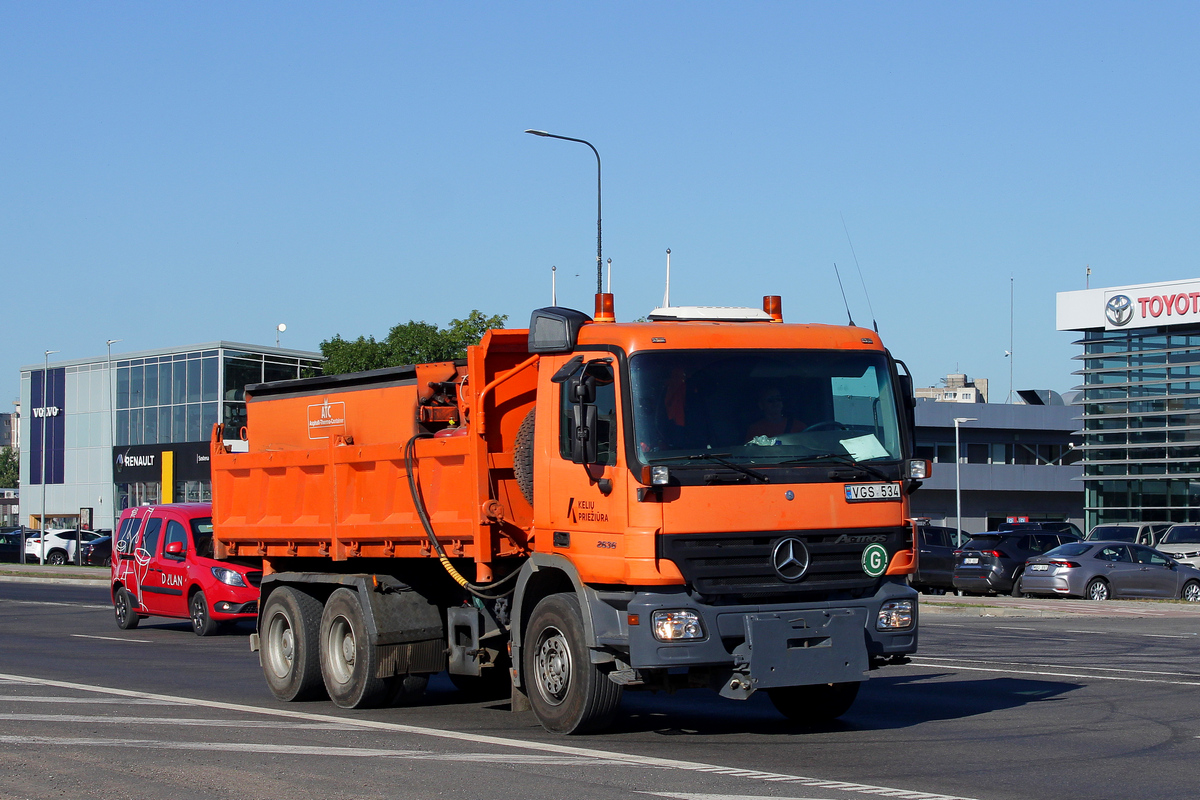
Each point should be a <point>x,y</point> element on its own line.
<point>150,537</point>
<point>1115,554</point>
<point>175,533</point>
<point>606,423</point>
<point>127,536</point>
<point>1144,555</point>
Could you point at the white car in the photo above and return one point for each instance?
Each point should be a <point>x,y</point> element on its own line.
<point>1182,543</point>
<point>60,545</point>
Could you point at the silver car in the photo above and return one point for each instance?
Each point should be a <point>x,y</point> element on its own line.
<point>1104,570</point>
<point>1182,543</point>
<point>1147,533</point>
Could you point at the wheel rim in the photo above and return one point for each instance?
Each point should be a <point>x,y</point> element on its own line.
<point>552,666</point>
<point>1191,593</point>
<point>122,607</point>
<point>341,649</point>
<point>1099,591</point>
<point>198,612</point>
<point>281,653</point>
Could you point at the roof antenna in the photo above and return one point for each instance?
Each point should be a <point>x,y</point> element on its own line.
<point>553,287</point>
<point>860,275</point>
<point>667,294</point>
<point>610,276</point>
<point>839,277</point>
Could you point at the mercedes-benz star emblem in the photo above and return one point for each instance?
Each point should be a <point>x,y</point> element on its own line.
<point>790,559</point>
<point>1119,309</point>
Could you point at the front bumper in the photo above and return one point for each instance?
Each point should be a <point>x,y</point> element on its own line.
<point>762,646</point>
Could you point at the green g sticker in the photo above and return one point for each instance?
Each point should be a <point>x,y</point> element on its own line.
<point>874,560</point>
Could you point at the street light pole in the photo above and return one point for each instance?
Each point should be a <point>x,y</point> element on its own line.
<point>112,432</point>
<point>958,478</point>
<point>45,378</point>
<point>599,247</point>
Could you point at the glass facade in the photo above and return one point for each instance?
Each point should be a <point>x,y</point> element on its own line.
<point>1141,419</point>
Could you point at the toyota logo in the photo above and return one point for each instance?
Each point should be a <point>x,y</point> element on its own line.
<point>1119,309</point>
<point>790,559</point>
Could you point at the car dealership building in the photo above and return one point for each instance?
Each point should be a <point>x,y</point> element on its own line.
<point>102,435</point>
<point>1140,399</point>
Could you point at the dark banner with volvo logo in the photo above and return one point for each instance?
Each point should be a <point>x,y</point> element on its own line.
<point>142,463</point>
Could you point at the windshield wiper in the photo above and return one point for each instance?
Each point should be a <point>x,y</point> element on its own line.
<point>842,459</point>
<point>719,458</point>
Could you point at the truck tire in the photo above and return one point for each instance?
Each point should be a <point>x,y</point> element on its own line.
<point>349,660</point>
<point>289,633</point>
<point>814,705</point>
<point>523,457</point>
<point>566,690</point>
<point>125,608</point>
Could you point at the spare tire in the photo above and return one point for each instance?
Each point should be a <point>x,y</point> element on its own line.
<point>523,457</point>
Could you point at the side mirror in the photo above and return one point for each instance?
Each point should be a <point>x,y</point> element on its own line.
<point>584,447</point>
<point>174,548</point>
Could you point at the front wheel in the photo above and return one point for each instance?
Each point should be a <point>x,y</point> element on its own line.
<point>1191,592</point>
<point>125,608</point>
<point>349,660</point>
<point>202,622</point>
<point>567,692</point>
<point>288,632</point>
<point>814,705</point>
<point>1097,589</point>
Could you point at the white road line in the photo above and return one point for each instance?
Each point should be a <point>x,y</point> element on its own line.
<point>91,719</point>
<point>1060,666</point>
<point>1102,633</point>
<point>1056,674</point>
<point>709,796</point>
<point>476,739</point>
<point>1013,628</point>
<point>111,638</point>
<point>1169,635</point>
<point>81,701</point>
<point>54,603</point>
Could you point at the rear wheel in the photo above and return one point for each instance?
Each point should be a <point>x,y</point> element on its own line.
<point>349,661</point>
<point>1097,589</point>
<point>1016,590</point>
<point>202,622</point>
<point>289,632</point>
<point>566,690</point>
<point>56,557</point>
<point>1191,592</point>
<point>125,608</point>
<point>814,705</point>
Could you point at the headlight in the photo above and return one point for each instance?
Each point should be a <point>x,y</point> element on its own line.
<point>228,576</point>
<point>919,469</point>
<point>895,614</point>
<point>670,626</point>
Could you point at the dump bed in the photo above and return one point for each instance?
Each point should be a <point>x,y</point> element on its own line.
<point>324,473</point>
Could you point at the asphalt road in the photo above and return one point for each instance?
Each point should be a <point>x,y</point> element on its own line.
<point>992,708</point>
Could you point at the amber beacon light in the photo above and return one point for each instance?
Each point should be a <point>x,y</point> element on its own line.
<point>773,305</point>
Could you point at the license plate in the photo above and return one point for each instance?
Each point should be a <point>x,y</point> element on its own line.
<point>1038,567</point>
<point>864,492</point>
<point>970,560</point>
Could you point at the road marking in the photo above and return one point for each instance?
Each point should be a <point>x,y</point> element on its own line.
<point>1013,628</point>
<point>1169,635</point>
<point>54,603</point>
<point>82,701</point>
<point>627,759</point>
<point>1063,666</point>
<point>110,638</point>
<point>211,723</point>
<point>1056,674</point>
<point>702,796</point>
<point>1102,633</point>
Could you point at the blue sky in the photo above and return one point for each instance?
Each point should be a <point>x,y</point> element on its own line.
<point>174,173</point>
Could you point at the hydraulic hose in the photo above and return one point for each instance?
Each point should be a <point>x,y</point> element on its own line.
<point>418,502</point>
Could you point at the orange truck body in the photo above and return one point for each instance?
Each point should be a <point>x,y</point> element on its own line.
<point>321,492</point>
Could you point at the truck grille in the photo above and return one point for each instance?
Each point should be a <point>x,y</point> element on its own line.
<point>740,563</point>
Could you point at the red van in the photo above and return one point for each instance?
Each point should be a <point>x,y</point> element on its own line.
<point>162,565</point>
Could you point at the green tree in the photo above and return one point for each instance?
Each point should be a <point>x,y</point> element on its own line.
<point>412,342</point>
<point>10,468</point>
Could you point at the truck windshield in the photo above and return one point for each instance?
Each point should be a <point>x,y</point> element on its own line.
<point>767,407</point>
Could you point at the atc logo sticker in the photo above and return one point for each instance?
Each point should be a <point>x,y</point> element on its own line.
<point>874,560</point>
<point>326,419</point>
<point>1119,310</point>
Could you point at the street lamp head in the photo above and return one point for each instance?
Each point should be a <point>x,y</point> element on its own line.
<point>281,327</point>
<point>111,342</point>
<point>537,133</point>
<point>958,420</point>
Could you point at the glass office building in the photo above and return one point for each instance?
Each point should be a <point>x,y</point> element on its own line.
<point>1140,394</point>
<point>106,434</point>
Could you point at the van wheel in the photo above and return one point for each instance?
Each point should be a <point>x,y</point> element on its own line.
<point>289,632</point>
<point>1097,589</point>
<point>349,660</point>
<point>523,457</point>
<point>814,705</point>
<point>566,690</point>
<point>202,622</point>
<point>125,608</point>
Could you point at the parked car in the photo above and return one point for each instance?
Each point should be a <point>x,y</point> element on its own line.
<point>60,544</point>
<point>995,561</point>
<point>163,566</point>
<point>1182,543</point>
<point>10,545</point>
<point>935,566</point>
<point>1046,525</point>
<point>1104,570</point>
<point>1147,533</point>
<point>97,553</point>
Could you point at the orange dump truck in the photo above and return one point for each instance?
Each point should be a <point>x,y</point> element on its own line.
<point>708,499</point>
